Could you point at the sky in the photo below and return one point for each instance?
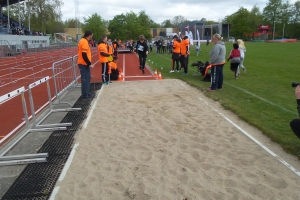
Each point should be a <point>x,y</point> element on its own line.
<point>160,10</point>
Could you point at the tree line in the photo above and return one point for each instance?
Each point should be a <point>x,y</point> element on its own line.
<point>45,16</point>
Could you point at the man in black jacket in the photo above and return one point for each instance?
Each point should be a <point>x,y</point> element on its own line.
<point>142,51</point>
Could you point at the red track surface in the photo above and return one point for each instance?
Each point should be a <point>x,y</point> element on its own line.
<point>19,71</point>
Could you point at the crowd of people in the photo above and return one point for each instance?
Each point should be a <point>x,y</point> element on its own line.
<point>15,28</point>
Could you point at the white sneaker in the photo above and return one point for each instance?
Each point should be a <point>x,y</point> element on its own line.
<point>172,71</point>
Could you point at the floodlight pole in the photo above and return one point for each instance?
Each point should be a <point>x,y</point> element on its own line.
<point>273,29</point>
<point>19,13</point>
<point>283,31</point>
<point>8,22</point>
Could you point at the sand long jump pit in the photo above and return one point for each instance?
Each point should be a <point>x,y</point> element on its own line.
<point>166,140</point>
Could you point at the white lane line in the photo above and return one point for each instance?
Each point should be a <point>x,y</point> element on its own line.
<point>256,141</point>
<point>183,85</point>
<point>265,100</point>
<point>54,193</point>
<point>93,107</point>
<point>68,163</point>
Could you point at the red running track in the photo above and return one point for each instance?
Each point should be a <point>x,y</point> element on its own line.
<point>11,112</point>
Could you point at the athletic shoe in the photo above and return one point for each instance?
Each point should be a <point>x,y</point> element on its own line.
<point>177,70</point>
<point>183,73</point>
<point>172,71</point>
<point>209,89</point>
<point>244,69</point>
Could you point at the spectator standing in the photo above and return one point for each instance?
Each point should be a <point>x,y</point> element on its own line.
<point>217,61</point>
<point>85,63</point>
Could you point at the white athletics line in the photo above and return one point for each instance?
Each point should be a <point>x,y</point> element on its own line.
<point>54,193</point>
<point>68,163</point>
<point>180,83</point>
<point>93,107</point>
<point>265,100</point>
<point>256,141</point>
<point>64,172</point>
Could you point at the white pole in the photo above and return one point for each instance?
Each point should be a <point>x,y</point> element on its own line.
<point>228,31</point>
<point>283,31</point>
<point>8,25</point>
<point>273,29</point>
<point>19,13</point>
<point>29,16</point>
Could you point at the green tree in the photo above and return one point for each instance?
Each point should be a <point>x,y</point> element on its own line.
<point>178,20</point>
<point>241,23</point>
<point>255,19</point>
<point>96,24</point>
<point>71,23</point>
<point>293,29</point>
<point>167,24</point>
<point>130,26</point>
<point>272,12</point>
<point>43,14</point>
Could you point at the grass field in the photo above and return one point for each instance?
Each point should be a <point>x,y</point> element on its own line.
<point>263,96</point>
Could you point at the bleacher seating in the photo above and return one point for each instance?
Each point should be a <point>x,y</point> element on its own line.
<point>15,28</point>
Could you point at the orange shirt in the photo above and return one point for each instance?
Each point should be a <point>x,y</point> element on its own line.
<point>176,47</point>
<point>83,46</point>
<point>102,47</point>
<point>184,46</point>
<point>110,49</point>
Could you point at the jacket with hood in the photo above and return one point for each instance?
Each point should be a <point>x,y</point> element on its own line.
<point>218,53</point>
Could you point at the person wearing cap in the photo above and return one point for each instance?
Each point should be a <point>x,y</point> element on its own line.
<point>85,63</point>
<point>142,51</point>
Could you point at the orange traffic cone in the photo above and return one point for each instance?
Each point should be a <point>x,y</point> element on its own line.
<point>155,74</point>
<point>159,76</point>
<point>120,77</point>
<point>121,71</point>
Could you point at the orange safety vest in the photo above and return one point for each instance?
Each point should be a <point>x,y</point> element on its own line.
<point>102,47</point>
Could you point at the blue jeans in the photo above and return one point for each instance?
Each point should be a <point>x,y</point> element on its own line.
<point>216,77</point>
<point>85,80</point>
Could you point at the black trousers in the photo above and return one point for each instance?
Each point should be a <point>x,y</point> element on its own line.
<point>142,58</point>
<point>295,126</point>
<point>183,61</point>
